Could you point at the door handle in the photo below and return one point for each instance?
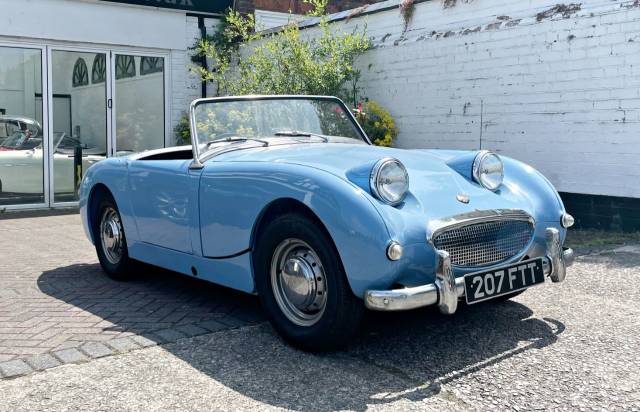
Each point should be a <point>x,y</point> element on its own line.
<point>109,103</point>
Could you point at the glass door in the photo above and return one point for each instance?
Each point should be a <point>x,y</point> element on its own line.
<point>139,109</point>
<point>80,84</point>
<point>22,136</point>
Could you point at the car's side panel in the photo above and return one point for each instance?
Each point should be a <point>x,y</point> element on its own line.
<point>232,272</point>
<point>21,171</point>
<point>234,194</point>
<point>164,200</point>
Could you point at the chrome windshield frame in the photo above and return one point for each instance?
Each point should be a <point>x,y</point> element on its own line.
<point>197,156</point>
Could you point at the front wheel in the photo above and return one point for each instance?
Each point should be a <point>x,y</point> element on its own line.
<point>110,241</point>
<point>302,285</point>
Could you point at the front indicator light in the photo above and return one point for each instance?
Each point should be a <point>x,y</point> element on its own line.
<point>394,251</point>
<point>567,220</point>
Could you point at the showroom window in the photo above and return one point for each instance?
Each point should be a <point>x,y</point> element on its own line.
<point>139,105</point>
<point>80,73</point>
<point>99,69</point>
<point>98,104</point>
<point>79,120</point>
<point>125,66</point>
<point>21,143</point>
<point>150,65</point>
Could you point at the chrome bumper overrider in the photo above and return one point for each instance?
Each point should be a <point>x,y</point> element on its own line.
<point>446,290</point>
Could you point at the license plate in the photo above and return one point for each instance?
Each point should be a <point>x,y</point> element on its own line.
<point>481,286</point>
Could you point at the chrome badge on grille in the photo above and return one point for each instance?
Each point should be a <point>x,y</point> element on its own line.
<point>463,198</point>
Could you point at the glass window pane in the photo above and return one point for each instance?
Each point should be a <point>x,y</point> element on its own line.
<point>139,107</point>
<point>79,114</point>
<point>21,133</point>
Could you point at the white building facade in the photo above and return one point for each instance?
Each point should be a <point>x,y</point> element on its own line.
<point>102,77</point>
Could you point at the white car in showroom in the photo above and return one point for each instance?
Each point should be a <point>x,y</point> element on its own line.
<point>21,163</point>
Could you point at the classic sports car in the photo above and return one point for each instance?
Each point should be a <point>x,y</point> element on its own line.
<point>285,196</point>
<point>19,133</point>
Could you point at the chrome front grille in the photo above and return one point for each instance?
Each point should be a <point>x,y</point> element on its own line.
<point>486,242</point>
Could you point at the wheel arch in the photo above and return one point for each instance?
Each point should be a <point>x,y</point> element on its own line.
<point>286,205</point>
<point>98,192</point>
<point>281,207</point>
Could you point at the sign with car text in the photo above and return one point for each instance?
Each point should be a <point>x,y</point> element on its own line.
<point>194,6</point>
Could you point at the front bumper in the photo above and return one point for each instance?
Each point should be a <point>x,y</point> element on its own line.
<point>446,290</point>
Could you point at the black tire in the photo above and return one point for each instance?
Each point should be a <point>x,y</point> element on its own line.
<point>343,311</point>
<point>121,268</point>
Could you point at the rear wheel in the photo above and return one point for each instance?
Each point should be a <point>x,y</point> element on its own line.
<point>110,240</point>
<point>302,285</point>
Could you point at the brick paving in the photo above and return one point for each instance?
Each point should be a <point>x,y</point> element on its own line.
<point>57,306</point>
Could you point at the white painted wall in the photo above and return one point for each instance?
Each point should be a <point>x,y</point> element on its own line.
<point>559,93</point>
<point>20,80</point>
<point>266,19</point>
<point>93,22</point>
<point>186,84</point>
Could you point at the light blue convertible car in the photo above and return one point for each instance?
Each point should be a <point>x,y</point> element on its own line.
<point>286,198</point>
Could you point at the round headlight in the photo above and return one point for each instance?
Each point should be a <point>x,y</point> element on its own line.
<point>389,181</point>
<point>488,170</point>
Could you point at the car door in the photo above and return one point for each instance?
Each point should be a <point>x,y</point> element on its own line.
<point>21,171</point>
<point>164,197</point>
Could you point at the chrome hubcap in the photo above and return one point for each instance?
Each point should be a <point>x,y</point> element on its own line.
<point>111,235</point>
<point>298,282</point>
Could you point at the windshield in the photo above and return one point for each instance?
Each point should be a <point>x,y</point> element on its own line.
<point>257,120</point>
<point>20,140</point>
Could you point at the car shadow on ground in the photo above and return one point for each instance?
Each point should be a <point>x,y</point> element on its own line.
<point>396,356</point>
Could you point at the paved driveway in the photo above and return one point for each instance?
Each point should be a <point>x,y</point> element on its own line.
<point>573,346</point>
<point>57,306</point>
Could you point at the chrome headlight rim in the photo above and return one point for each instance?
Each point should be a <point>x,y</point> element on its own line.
<point>374,180</point>
<point>477,167</point>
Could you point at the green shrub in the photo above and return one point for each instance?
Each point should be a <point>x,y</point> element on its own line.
<point>377,123</point>
<point>283,62</point>
<point>243,62</point>
<point>182,131</point>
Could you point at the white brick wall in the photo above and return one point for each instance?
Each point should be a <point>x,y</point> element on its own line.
<point>186,85</point>
<point>559,91</point>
